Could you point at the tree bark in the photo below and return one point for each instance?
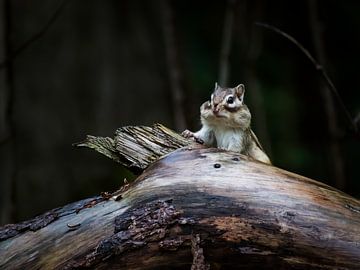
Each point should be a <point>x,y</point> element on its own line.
<point>195,208</point>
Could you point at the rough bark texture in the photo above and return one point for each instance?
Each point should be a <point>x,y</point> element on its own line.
<point>195,208</point>
<point>135,147</point>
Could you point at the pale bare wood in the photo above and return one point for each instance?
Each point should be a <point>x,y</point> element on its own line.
<point>135,147</point>
<point>243,214</point>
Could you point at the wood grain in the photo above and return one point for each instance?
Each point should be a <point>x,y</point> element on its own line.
<point>244,214</point>
<point>136,147</point>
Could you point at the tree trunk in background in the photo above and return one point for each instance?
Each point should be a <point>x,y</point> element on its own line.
<point>107,74</point>
<point>8,134</point>
<point>195,207</point>
<point>336,161</point>
<point>3,127</point>
<point>254,42</point>
<point>176,76</point>
<point>226,43</point>
<point>9,200</point>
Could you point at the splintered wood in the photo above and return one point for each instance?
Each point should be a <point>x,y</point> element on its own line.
<point>135,147</point>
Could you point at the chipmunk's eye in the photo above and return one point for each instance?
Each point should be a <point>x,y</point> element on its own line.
<point>230,100</point>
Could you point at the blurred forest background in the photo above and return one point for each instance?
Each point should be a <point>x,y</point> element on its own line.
<point>71,68</point>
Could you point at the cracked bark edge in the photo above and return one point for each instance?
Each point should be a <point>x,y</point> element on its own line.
<point>136,147</point>
<point>41,221</point>
<point>199,262</point>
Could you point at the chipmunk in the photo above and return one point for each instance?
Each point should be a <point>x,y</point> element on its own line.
<point>226,124</point>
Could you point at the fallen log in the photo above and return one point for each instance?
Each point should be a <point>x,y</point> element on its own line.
<point>191,208</point>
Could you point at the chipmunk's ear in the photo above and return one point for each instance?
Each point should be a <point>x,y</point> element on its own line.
<point>240,91</point>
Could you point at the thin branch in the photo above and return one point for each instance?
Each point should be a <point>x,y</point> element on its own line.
<point>317,66</point>
<point>226,43</point>
<point>35,37</point>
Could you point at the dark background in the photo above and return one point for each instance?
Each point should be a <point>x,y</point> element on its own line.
<point>93,66</point>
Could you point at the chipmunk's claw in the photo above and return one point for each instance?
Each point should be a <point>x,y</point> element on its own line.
<point>188,134</point>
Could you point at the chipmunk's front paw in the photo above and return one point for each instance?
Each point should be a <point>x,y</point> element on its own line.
<point>187,134</point>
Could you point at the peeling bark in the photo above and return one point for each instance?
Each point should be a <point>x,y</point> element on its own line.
<point>198,255</point>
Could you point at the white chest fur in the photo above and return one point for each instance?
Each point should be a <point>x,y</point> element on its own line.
<point>229,138</point>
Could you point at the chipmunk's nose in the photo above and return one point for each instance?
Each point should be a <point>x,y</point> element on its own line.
<point>216,109</point>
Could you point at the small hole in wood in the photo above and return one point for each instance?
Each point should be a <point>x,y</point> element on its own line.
<point>235,159</point>
<point>217,165</point>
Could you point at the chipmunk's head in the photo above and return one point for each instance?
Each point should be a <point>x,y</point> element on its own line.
<point>225,101</point>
